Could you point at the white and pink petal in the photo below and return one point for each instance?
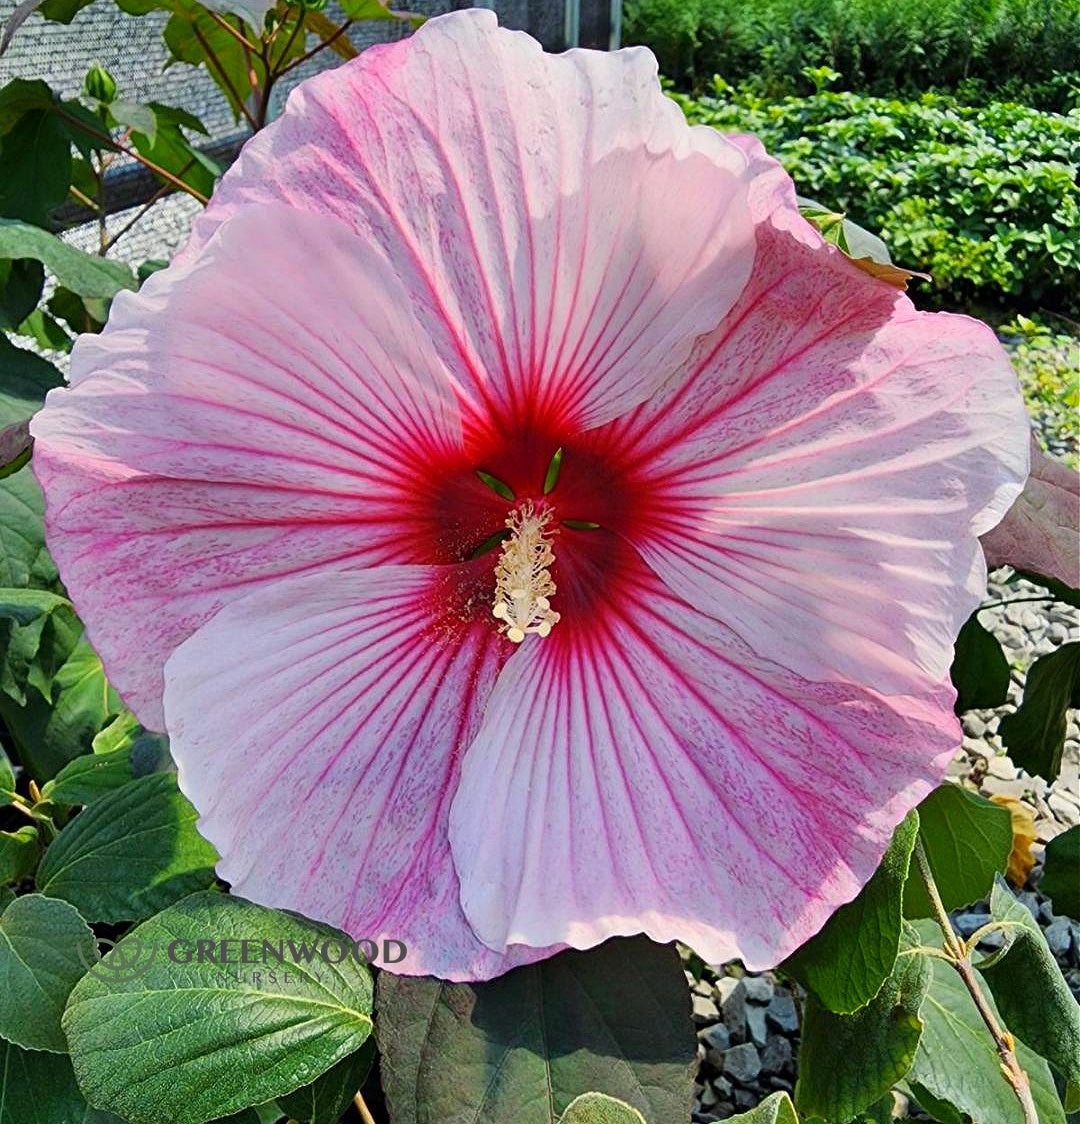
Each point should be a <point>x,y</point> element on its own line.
<point>268,409</point>
<point>650,771</point>
<point>818,474</point>
<point>563,233</point>
<point>317,725</point>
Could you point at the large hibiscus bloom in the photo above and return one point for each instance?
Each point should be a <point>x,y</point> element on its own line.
<point>703,672</point>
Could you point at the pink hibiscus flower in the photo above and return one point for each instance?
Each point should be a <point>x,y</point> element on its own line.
<point>703,674</point>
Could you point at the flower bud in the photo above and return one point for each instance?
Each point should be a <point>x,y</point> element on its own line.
<point>99,84</point>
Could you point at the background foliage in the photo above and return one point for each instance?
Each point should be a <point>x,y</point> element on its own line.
<point>1023,50</point>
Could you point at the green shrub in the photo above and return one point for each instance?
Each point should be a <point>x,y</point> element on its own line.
<point>1026,50</point>
<point>984,199</point>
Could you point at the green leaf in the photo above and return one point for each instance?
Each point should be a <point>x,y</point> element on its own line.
<point>1030,990</point>
<point>956,1061</point>
<point>849,1062</point>
<point>83,273</point>
<point>89,777</point>
<point>369,10</point>
<point>194,37</point>
<point>21,283</point>
<point>24,561</point>
<point>177,1043</point>
<point>18,853</point>
<point>326,1099</point>
<point>81,314</point>
<point>968,840</point>
<point>19,97</point>
<point>36,157</point>
<point>521,1047</point>
<point>130,853</point>
<point>7,778</point>
<point>45,331</point>
<point>599,1108</point>
<point>136,117</point>
<point>62,11</point>
<point>170,149</point>
<point>24,615</point>
<point>980,671</point>
<point>45,947</point>
<point>775,1109</point>
<point>40,1088</point>
<point>846,963</point>
<point>58,724</point>
<point>25,379</point>
<point>1061,873</point>
<point>1034,735</point>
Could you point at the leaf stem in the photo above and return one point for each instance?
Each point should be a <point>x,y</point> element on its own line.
<point>317,48</point>
<point>223,75</point>
<point>135,155</point>
<point>158,195</point>
<point>957,955</point>
<point>1013,601</point>
<point>365,1112</point>
<point>224,24</point>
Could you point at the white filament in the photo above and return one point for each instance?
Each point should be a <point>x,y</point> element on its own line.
<point>523,585</point>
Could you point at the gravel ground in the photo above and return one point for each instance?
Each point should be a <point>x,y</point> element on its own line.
<point>748,1025</point>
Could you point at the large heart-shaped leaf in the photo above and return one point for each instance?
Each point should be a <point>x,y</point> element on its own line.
<point>130,853</point>
<point>86,274</point>
<point>615,1020</point>
<point>968,841</point>
<point>848,1062</point>
<point>1030,990</point>
<point>189,1040</point>
<point>40,1088</point>
<point>846,963</point>
<point>45,947</point>
<point>956,1061</point>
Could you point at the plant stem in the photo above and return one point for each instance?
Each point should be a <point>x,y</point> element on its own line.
<point>317,48</point>
<point>226,26</point>
<point>223,74</point>
<point>158,195</point>
<point>958,957</point>
<point>365,1112</point>
<point>1013,601</point>
<point>135,155</point>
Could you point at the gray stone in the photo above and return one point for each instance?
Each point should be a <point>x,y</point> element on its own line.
<point>974,726</point>
<point>755,1024</point>
<point>703,1010</point>
<point>759,989</point>
<point>744,1098</point>
<point>733,1006</point>
<point>715,1037</point>
<point>782,1014</point>
<point>966,923</point>
<point>709,1097</point>
<point>1031,900</point>
<point>1059,937</point>
<point>783,1083</point>
<point>702,987</point>
<point>742,1064</point>
<point>722,1085</point>
<point>1002,768</point>
<point>777,1055</point>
